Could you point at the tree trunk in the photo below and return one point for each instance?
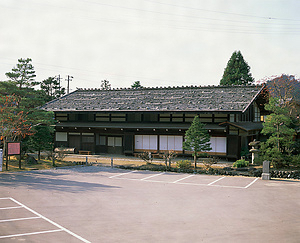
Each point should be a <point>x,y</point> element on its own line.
<point>278,143</point>
<point>5,153</point>
<point>195,161</point>
<point>39,154</point>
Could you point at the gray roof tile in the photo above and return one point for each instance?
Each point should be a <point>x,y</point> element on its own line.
<point>217,98</point>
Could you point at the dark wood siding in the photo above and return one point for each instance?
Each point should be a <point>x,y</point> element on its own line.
<point>233,146</point>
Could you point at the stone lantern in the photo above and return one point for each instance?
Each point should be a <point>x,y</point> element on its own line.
<point>254,144</point>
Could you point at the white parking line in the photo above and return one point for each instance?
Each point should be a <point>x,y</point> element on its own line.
<point>33,233</point>
<point>251,183</point>
<point>152,176</point>
<point>123,174</point>
<point>9,220</point>
<point>48,220</point>
<point>11,207</point>
<point>215,181</point>
<point>183,178</point>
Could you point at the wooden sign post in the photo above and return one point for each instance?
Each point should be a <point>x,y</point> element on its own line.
<point>13,148</point>
<point>1,159</point>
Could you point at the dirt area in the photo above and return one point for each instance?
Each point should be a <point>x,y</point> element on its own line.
<point>102,160</point>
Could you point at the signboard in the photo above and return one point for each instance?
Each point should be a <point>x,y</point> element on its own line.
<point>13,148</point>
<point>1,159</point>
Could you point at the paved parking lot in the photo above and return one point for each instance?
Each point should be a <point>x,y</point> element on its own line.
<point>100,204</point>
<point>187,179</point>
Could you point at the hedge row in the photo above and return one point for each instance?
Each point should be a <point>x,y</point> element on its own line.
<point>253,172</point>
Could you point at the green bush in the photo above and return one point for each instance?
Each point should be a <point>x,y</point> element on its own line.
<point>184,164</point>
<point>202,155</point>
<point>241,163</point>
<point>244,152</point>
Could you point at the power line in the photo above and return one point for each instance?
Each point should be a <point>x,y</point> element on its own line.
<point>221,12</point>
<point>186,16</point>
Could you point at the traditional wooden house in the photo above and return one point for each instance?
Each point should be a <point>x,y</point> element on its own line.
<point>128,121</point>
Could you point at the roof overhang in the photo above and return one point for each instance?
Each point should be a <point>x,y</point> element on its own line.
<point>134,125</point>
<point>246,126</point>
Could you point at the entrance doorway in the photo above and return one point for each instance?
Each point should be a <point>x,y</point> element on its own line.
<point>114,145</point>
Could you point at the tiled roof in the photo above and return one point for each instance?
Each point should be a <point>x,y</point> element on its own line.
<point>192,98</point>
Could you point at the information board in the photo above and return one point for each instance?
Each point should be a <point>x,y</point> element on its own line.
<point>13,148</point>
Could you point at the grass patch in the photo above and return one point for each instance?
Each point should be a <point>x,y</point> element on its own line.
<point>13,165</point>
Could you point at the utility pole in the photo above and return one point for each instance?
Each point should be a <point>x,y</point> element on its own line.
<point>68,80</point>
<point>58,78</point>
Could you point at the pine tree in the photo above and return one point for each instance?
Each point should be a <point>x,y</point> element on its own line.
<point>279,146</point>
<point>197,139</point>
<point>23,74</point>
<point>105,85</point>
<point>136,85</point>
<point>237,71</point>
<point>52,88</point>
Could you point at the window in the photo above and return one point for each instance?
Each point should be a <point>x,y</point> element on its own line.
<point>100,140</point>
<point>61,137</point>
<point>177,118</point>
<point>170,143</point>
<point>257,117</point>
<point>114,141</point>
<point>146,142</point>
<point>206,118</point>
<point>189,117</point>
<point>220,118</point>
<point>165,117</point>
<point>218,144</point>
<point>102,117</point>
<point>118,117</point>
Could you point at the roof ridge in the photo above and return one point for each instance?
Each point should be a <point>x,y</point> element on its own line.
<point>169,87</point>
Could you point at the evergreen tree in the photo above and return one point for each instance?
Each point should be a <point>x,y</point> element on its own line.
<point>52,88</point>
<point>136,85</point>
<point>19,112</point>
<point>237,71</point>
<point>42,139</point>
<point>23,74</point>
<point>197,139</point>
<point>279,146</point>
<point>105,85</point>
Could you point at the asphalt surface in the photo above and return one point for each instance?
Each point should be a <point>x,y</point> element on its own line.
<point>100,204</point>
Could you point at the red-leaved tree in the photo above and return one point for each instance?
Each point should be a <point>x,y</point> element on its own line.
<point>13,123</point>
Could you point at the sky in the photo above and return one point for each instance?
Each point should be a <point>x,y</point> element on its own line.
<point>157,42</point>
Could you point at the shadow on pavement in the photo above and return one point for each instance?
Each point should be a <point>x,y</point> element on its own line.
<point>50,180</point>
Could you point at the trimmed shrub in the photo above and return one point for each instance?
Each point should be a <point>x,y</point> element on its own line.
<point>184,164</point>
<point>240,163</point>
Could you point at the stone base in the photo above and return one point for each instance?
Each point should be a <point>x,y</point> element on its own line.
<point>265,176</point>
